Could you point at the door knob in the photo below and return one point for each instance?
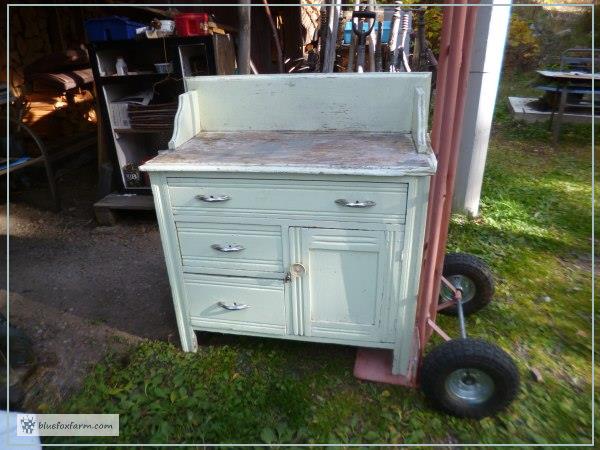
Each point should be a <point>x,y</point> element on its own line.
<point>297,270</point>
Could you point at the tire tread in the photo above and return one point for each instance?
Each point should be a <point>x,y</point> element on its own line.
<point>451,355</point>
<point>479,272</point>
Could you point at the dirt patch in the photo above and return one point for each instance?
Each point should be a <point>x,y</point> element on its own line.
<point>66,347</point>
<point>78,290</point>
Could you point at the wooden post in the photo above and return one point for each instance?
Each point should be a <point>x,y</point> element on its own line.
<point>323,20</point>
<point>244,12</point>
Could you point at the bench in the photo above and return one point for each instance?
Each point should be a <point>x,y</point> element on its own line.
<point>578,59</point>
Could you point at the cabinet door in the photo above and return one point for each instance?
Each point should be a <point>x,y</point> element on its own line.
<point>340,295</point>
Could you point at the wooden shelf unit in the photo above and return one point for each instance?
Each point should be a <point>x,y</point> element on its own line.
<point>191,56</point>
<point>129,145</point>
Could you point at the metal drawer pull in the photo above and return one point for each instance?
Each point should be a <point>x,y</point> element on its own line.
<point>213,198</point>
<point>356,204</point>
<point>228,247</point>
<point>233,307</point>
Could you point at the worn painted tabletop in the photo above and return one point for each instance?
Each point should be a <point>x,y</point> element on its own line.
<point>326,152</point>
<point>572,75</point>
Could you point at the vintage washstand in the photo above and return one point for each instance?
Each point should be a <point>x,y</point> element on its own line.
<point>295,206</point>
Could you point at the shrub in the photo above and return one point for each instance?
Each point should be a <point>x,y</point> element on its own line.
<point>523,50</point>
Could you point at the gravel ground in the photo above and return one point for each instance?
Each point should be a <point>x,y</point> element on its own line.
<point>79,290</point>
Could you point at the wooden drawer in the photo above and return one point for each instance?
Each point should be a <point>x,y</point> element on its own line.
<point>230,246</point>
<point>236,304</point>
<point>355,201</point>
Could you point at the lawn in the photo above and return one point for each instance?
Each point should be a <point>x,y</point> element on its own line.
<point>534,231</point>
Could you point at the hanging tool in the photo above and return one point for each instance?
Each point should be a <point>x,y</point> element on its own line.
<point>352,50</point>
<point>372,37</point>
<point>323,36</point>
<point>358,29</point>
<point>393,41</point>
<point>403,39</point>
<point>423,58</point>
<point>379,48</point>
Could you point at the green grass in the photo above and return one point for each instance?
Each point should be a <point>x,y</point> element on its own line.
<point>534,231</point>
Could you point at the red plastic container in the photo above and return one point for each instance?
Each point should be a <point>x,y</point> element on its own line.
<point>191,24</point>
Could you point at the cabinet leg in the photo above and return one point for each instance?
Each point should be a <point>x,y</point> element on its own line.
<point>397,364</point>
<point>189,342</point>
<point>404,358</point>
<point>193,341</point>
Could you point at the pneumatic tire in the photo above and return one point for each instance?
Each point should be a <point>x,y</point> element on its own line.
<point>469,378</point>
<point>473,276</point>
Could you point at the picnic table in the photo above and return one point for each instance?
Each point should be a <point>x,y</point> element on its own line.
<point>570,87</point>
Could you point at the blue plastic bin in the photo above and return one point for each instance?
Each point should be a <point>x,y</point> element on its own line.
<point>385,33</point>
<point>112,28</point>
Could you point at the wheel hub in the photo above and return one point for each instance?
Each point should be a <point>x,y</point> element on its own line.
<point>472,386</point>
<point>462,283</point>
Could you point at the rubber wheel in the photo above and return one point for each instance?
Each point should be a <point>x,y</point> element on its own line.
<point>473,277</point>
<point>469,378</point>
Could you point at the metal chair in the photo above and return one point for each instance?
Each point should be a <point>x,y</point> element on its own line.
<point>18,134</point>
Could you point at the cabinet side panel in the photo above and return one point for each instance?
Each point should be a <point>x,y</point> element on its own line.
<point>394,277</point>
<point>168,237</point>
<point>187,119</point>
<point>413,250</point>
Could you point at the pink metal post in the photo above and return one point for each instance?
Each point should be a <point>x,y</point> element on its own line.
<point>455,149</point>
<point>439,200</point>
<point>437,112</point>
<point>442,71</point>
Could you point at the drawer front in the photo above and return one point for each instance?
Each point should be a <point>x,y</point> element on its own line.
<point>236,304</point>
<point>230,246</point>
<point>355,201</point>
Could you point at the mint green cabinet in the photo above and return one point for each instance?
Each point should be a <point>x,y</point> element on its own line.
<point>283,221</point>
<point>311,269</point>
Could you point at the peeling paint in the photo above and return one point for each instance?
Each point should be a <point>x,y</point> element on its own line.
<point>330,152</point>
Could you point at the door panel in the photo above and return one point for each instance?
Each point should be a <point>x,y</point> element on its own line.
<point>342,288</point>
<point>348,277</point>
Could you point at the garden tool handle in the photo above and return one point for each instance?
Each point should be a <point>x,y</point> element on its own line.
<point>360,57</point>
<point>363,15</point>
